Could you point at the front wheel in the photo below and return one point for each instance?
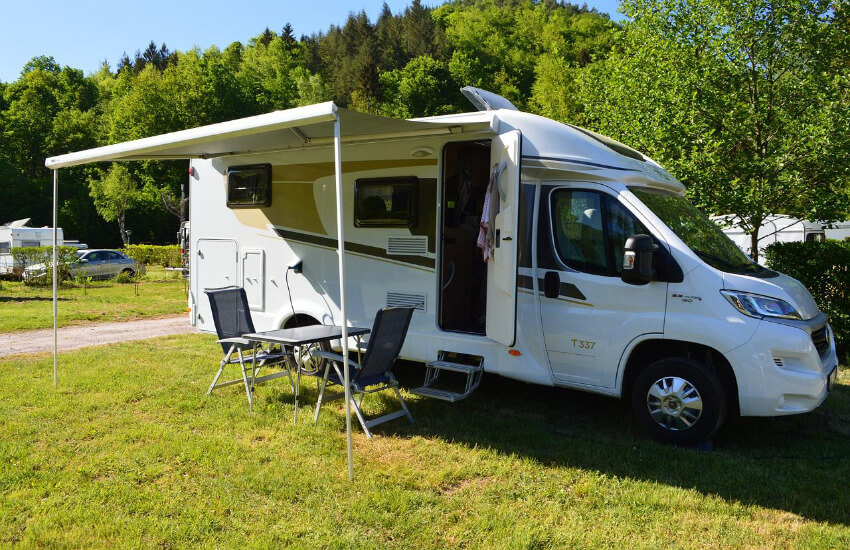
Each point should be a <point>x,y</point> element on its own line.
<point>678,400</point>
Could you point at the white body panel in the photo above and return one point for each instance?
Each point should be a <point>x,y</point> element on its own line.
<point>776,229</point>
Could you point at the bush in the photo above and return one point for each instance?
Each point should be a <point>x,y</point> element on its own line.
<point>825,270</point>
<point>29,256</point>
<point>150,254</point>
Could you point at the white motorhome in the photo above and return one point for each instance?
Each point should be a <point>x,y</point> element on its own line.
<point>601,275</point>
<point>777,228</point>
<point>18,234</point>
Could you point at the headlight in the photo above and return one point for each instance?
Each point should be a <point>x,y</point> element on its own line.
<point>756,305</point>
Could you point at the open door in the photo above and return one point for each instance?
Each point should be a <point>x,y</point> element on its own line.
<point>505,157</point>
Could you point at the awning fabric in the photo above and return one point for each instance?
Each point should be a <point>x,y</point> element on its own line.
<point>298,127</point>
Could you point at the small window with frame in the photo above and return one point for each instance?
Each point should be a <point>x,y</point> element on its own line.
<point>249,186</point>
<point>385,202</point>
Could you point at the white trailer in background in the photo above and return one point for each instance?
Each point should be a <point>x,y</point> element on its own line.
<point>777,228</point>
<point>18,234</point>
<point>601,275</point>
<point>838,231</point>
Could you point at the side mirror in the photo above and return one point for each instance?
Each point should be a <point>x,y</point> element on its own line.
<point>637,260</point>
<point>83,261</point>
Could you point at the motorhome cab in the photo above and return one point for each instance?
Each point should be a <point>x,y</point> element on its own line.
<point>600,275</point>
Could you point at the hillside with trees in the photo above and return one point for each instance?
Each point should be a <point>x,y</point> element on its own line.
<point>673,81</point>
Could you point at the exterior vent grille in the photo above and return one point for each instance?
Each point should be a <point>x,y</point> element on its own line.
<point>414,245</point>
<point>779,362</point>
<point>403,299</point>
<point>820,339</point>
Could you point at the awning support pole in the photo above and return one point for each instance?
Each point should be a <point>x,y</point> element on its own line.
<point>340,231</point>
<point>55,278</point>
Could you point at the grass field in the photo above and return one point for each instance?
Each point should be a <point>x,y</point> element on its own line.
<point>131,454</point>
<point>27,308</point>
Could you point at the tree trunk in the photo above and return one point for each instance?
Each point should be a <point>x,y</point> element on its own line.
<point>122,228</point>
<point>754,243</point>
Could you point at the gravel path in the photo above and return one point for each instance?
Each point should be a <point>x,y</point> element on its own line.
<point>95,334</point>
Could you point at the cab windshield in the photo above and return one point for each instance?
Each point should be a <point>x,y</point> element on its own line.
<point>699,233</point>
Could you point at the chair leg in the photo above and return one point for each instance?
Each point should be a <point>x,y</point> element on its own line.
<point>360,417</point>
<point>403,405</point>
<point>245,379</point>
<point>221,369</point>
<point>323,383</point>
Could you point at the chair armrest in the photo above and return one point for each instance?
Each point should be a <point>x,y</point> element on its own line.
<point>237,340</point>
<point>333,357</point>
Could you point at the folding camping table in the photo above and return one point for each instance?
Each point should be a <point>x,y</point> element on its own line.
<point>301,336</point>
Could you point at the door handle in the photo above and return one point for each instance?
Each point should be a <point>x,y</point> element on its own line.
<point>551,284</point>
<point>508,239</point>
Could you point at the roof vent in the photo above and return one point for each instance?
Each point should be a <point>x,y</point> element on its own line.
<point>404,299</point>
<point>486,101</point>
<point>413,245</point>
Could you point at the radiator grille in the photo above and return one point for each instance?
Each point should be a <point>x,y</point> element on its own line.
<point>821,340</point>
<point>404,299</point>
<point>414,245</point>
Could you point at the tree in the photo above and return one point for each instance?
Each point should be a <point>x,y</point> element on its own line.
<point>741,100</point>
<point>114,194</point>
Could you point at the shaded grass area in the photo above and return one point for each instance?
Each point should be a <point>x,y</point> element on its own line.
<point>135,455</point>
<point>30,307</point>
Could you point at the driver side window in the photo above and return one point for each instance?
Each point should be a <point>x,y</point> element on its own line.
<point>590,230</point>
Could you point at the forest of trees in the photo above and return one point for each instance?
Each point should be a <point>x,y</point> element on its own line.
<point>748,96</point>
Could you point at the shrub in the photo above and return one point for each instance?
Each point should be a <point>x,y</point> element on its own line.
<point>825,270</point>
<point>29,256</point>
<point>150,254</point>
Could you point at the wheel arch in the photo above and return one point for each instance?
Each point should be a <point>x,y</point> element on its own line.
<point>645,352</point>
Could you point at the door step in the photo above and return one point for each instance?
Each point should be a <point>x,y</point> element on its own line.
<point>471,366</point>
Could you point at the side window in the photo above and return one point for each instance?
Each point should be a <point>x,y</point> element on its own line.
<point>620,225</point>
<point>385,202</point>
<point>577,228</point>
<point>93,257</point>
<point>4,247</point>
<point>590,230</point>
<point>249,186</point>
<point>111,256</point>
<point>27,244</point>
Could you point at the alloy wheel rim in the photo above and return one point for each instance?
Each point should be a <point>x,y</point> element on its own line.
<point>674,403</point>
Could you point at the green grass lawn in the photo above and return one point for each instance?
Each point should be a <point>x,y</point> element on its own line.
<point>25,308</point>
<point>128,452</point>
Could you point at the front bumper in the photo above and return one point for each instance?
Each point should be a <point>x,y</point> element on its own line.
<point>779,371</point>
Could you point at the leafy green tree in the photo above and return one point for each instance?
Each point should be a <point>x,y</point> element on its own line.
<point>423,87</point>
<point>741,100</point>
<point>114,194</point>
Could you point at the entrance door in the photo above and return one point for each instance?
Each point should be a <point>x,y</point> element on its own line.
<point>217,267</point>
<point>502,265</point>
<point>595,314</point>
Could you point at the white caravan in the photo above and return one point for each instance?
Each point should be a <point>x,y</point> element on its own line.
<point>601,277</point>
<point>838,231</point>
<point>18,234</point>
<point>777,228</point>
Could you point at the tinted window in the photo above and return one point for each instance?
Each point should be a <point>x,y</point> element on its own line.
<point>109,256</point>
<point>4,247</point>
<point>249,186</point>
<point>385,202</point>
<point>590,230</point>
<point>27,244</point>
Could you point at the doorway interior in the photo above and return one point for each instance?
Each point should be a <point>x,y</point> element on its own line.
<point>463,273</point>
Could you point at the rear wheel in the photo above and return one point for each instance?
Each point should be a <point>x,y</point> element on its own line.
<point>129,273</point>
<point>678,400</point>
<point>302,354</point>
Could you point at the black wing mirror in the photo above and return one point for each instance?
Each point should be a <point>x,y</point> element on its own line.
<point>637,260</point>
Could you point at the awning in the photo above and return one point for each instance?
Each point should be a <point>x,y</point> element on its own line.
<point>299,127</point>
<point>323,124</point>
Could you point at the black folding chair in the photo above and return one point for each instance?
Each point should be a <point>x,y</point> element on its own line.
<point>232,318</point>
<point>374,374</point>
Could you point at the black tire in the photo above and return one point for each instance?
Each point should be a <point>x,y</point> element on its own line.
<point>673,421</point>
<point>129,273</point>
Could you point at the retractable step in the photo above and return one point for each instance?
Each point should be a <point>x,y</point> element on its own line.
<point>470,365</point>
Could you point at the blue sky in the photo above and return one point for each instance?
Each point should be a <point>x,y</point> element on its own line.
<point>82,33</point>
